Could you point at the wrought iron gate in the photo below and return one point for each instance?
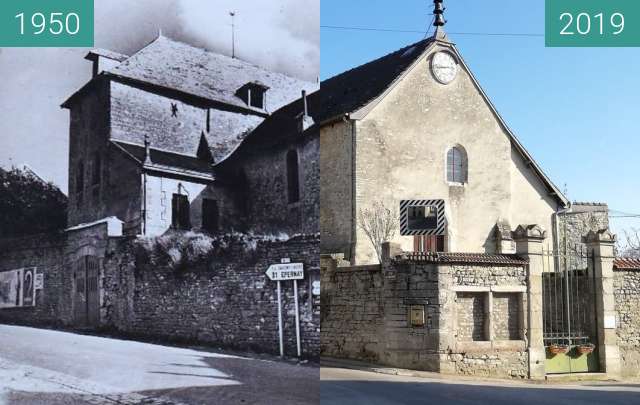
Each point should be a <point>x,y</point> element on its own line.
<point>569,311</point>
<point>86,294</point>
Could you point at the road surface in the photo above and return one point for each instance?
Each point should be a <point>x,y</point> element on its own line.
<point>39,367</point>
<point>341,386</point>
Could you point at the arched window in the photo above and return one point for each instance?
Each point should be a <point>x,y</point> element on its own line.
<point>293,182</point>
<point>456,165</point>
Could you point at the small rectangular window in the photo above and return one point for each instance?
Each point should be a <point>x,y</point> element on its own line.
<point>257,98</point>
<point>210,215</point>
<point>180,217</point>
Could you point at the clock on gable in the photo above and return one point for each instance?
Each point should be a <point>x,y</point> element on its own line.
<point>444,67</point>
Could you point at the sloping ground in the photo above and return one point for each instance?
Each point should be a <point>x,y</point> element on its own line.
<point>49,367</point>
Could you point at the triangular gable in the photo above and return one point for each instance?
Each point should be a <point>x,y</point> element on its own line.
<point>426,47</point>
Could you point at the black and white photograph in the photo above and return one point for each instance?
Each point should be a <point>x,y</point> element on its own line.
<point>164,187</point>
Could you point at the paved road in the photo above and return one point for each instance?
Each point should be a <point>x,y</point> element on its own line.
<point>341,386</point>
<point>39,367</point>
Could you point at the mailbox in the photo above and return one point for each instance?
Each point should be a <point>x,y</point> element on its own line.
<point>416,316</point>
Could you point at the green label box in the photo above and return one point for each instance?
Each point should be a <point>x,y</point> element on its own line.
<point>592,23</point>
<point>46,23</point>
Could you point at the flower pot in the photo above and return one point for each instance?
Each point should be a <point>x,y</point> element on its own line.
<point>557,349</point>
<point>586,348</point>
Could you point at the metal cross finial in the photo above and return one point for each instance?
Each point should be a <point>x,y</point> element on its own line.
<point>438,12</point>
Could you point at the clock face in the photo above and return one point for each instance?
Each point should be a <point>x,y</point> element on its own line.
<point>444,67</point>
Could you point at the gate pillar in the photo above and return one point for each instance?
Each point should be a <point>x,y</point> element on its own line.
<point>600,245</point>
<point>529,243</point>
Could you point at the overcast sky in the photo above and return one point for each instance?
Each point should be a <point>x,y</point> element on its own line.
<point>282,35</point>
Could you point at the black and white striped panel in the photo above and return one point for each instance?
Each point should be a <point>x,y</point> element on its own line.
<point>441,221</point>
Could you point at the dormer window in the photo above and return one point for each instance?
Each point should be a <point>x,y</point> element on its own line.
<point>253,94</point>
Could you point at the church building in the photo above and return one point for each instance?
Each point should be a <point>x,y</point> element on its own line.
<point>414,127</point>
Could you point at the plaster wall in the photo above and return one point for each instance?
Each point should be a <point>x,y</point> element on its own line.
<point>336,187</point>
<point>401,147</point>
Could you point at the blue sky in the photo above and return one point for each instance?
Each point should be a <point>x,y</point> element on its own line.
<point>575,109</point>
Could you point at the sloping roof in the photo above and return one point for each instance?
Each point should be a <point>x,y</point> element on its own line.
<point>626,263</point>
<point>461,258</point>
<point>353,89</point>
<point>284,124</point>
<point>178,66</point>
<point>165,159</point>
<point>105,53</point>
<point>281,128</point>
<point>356,90</point>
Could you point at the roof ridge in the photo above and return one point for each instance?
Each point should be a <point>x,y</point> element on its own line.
<point>219,54</point>
<point>426,40</point>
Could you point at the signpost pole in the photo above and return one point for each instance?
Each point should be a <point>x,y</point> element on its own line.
<point>295,298</point>
<point>280,321</point>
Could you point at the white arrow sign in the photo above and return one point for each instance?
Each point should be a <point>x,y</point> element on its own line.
<point>285,271</point>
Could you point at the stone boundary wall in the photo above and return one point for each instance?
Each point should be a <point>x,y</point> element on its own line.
<point>626,284</point>
<point>352,312</point>
<point>366,315</point>
<point>225,300</point>
<point>46,253</point>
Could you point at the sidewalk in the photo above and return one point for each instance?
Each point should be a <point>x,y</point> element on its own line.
<point>559,379</point>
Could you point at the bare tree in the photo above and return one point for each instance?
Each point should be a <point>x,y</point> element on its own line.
<point>631,245</point>
<point>379,223</point>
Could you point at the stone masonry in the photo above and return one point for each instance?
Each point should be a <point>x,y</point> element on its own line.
<point>472,309</point>
<point>627,305</point>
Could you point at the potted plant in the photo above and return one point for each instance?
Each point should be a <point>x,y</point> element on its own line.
<point>558,348</point>
<point>586,348</point>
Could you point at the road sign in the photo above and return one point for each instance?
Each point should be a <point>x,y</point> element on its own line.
<point>285,271</point>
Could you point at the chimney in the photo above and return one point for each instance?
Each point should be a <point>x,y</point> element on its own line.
<point>305,120</point>
<point>304,101</point>
<point>147,151</point>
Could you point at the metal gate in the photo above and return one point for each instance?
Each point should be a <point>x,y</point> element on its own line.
<point>569,311</point>
<point>86,294</point>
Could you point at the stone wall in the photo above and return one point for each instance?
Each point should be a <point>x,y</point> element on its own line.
<point>627,305</point>
<point>261,187</point>
<point>473,308</point>
<point>576,223</point>
<point>336,187</point>
<point>224,298</point>
<point>88,137</point>
<point>46,253</point>
<point>352,312</point>
<point>55,256</point>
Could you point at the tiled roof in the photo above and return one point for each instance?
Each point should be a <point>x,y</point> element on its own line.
<point>354,88</point>
<point>179,66</point>
<point>167,159</point>
<point>462,258</point>
<point>626,263</point>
